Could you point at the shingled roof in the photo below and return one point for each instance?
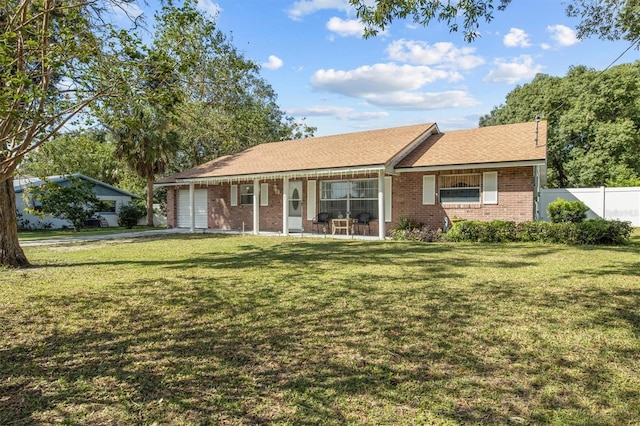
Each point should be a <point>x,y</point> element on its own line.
<point>346,151</point>
<point>495,144</point>
<point>418,146</point>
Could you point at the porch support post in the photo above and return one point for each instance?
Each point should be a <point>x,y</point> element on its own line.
<point>285,206</point>
<point>192,207</point>
<point>256,207</point>
<point>381,209</point>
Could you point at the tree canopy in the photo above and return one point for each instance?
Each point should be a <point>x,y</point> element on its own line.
<point>56,58</point>
<point>75,202</point>
<point>594,123</point>
<point>86,152</point>
<point>190,74</point>
<point>227,106</point>
<point>608,19</point>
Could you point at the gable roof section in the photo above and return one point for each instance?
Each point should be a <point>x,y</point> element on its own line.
<point>375,148</point>
<point>510,143</point>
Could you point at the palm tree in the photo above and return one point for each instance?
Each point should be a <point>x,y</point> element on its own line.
<point>147,142</point>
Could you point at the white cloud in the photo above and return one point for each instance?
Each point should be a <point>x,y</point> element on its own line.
<point>345,28</point>
<point>273,64</point>
<point>393,86</point>
<point>341,113</point>
<point>378,78</point>
<point>516,38</point>
<point>302,8</point>
<point>521,68</point>
<point>423,100</point>
<point>444,54</point>
<point>208,6</point>
<point>562,35</point>
<point>545,46</point>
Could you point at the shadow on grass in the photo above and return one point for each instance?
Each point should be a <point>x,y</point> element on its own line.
<point>329,360</point>
<point>323,332</point>
<point>309,252</point>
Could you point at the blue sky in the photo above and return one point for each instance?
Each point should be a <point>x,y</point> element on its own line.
<point>313,55</point>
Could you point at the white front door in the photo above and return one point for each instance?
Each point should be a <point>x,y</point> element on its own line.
<point>295,206</point>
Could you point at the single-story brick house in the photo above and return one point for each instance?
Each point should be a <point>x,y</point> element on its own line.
<point>113,198</point>
<point>415,171</point>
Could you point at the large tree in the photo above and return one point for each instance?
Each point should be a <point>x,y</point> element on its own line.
<point>608,19</point>
<point>56,57</point>
<point>594,116</point>
<point>142,123</point>
<point>147,142</point>
<point>227,106</point>
<point>85,152</point>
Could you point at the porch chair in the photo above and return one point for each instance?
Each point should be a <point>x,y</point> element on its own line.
<point>322,219</point>
<point>363,221</point>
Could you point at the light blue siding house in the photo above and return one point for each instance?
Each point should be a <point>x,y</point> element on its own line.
<point>114,198</point>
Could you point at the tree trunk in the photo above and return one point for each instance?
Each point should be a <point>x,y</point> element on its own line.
<point>150,201</point>
<point>11,253</point>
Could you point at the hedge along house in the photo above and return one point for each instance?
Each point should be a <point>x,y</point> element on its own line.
<point>415,171</point>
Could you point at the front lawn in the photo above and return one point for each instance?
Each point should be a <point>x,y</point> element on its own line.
<point>211,329</point>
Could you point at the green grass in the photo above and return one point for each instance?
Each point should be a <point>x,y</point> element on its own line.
<point>210,329</point>
<point>48,234</point>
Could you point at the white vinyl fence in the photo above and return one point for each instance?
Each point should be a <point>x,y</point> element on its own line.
<point>606,203</point>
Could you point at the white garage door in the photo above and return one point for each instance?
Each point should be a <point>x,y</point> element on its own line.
<point>184,215</point>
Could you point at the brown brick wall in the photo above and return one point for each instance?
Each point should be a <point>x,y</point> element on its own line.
<point>515,202</point>
<point>172,218</point>
<point>515,199</point>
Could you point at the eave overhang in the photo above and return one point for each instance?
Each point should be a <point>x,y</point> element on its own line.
<point>290,174</point>
<point>502,164</point>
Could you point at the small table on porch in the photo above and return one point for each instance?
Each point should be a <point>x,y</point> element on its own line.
<point>345,224</point>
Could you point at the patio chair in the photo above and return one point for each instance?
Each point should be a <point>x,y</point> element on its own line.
<point>362,220</point>
<point>322,219</point>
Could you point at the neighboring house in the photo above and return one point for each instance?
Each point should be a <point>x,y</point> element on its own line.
<point>415,171</point>
<point>112,196</point>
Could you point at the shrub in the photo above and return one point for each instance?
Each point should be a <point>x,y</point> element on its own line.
<point>600,231</point>
<point>466,230</point>
<point>567,211</point>
<point>532,231</point>
<point>423,234</point>
<point>562,233</point>
<point>130,214</point>
<point>486,232</point>
<point>405,224</point>
<point>596,231</point>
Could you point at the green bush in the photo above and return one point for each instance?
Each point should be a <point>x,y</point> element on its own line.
<point>486,232</point>
<point>405,224</point>
<point>562,233</point>
<point>130,214</point>
<point>423,234</point>
<point>532,231</point>
<point>567,211</point>
<point>600,231</point>
<point>596,231</point>
<point>465,230</point>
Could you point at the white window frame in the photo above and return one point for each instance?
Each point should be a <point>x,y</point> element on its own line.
<point>246,194</point>
<point>348,199</point>
<point>476,176</point>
